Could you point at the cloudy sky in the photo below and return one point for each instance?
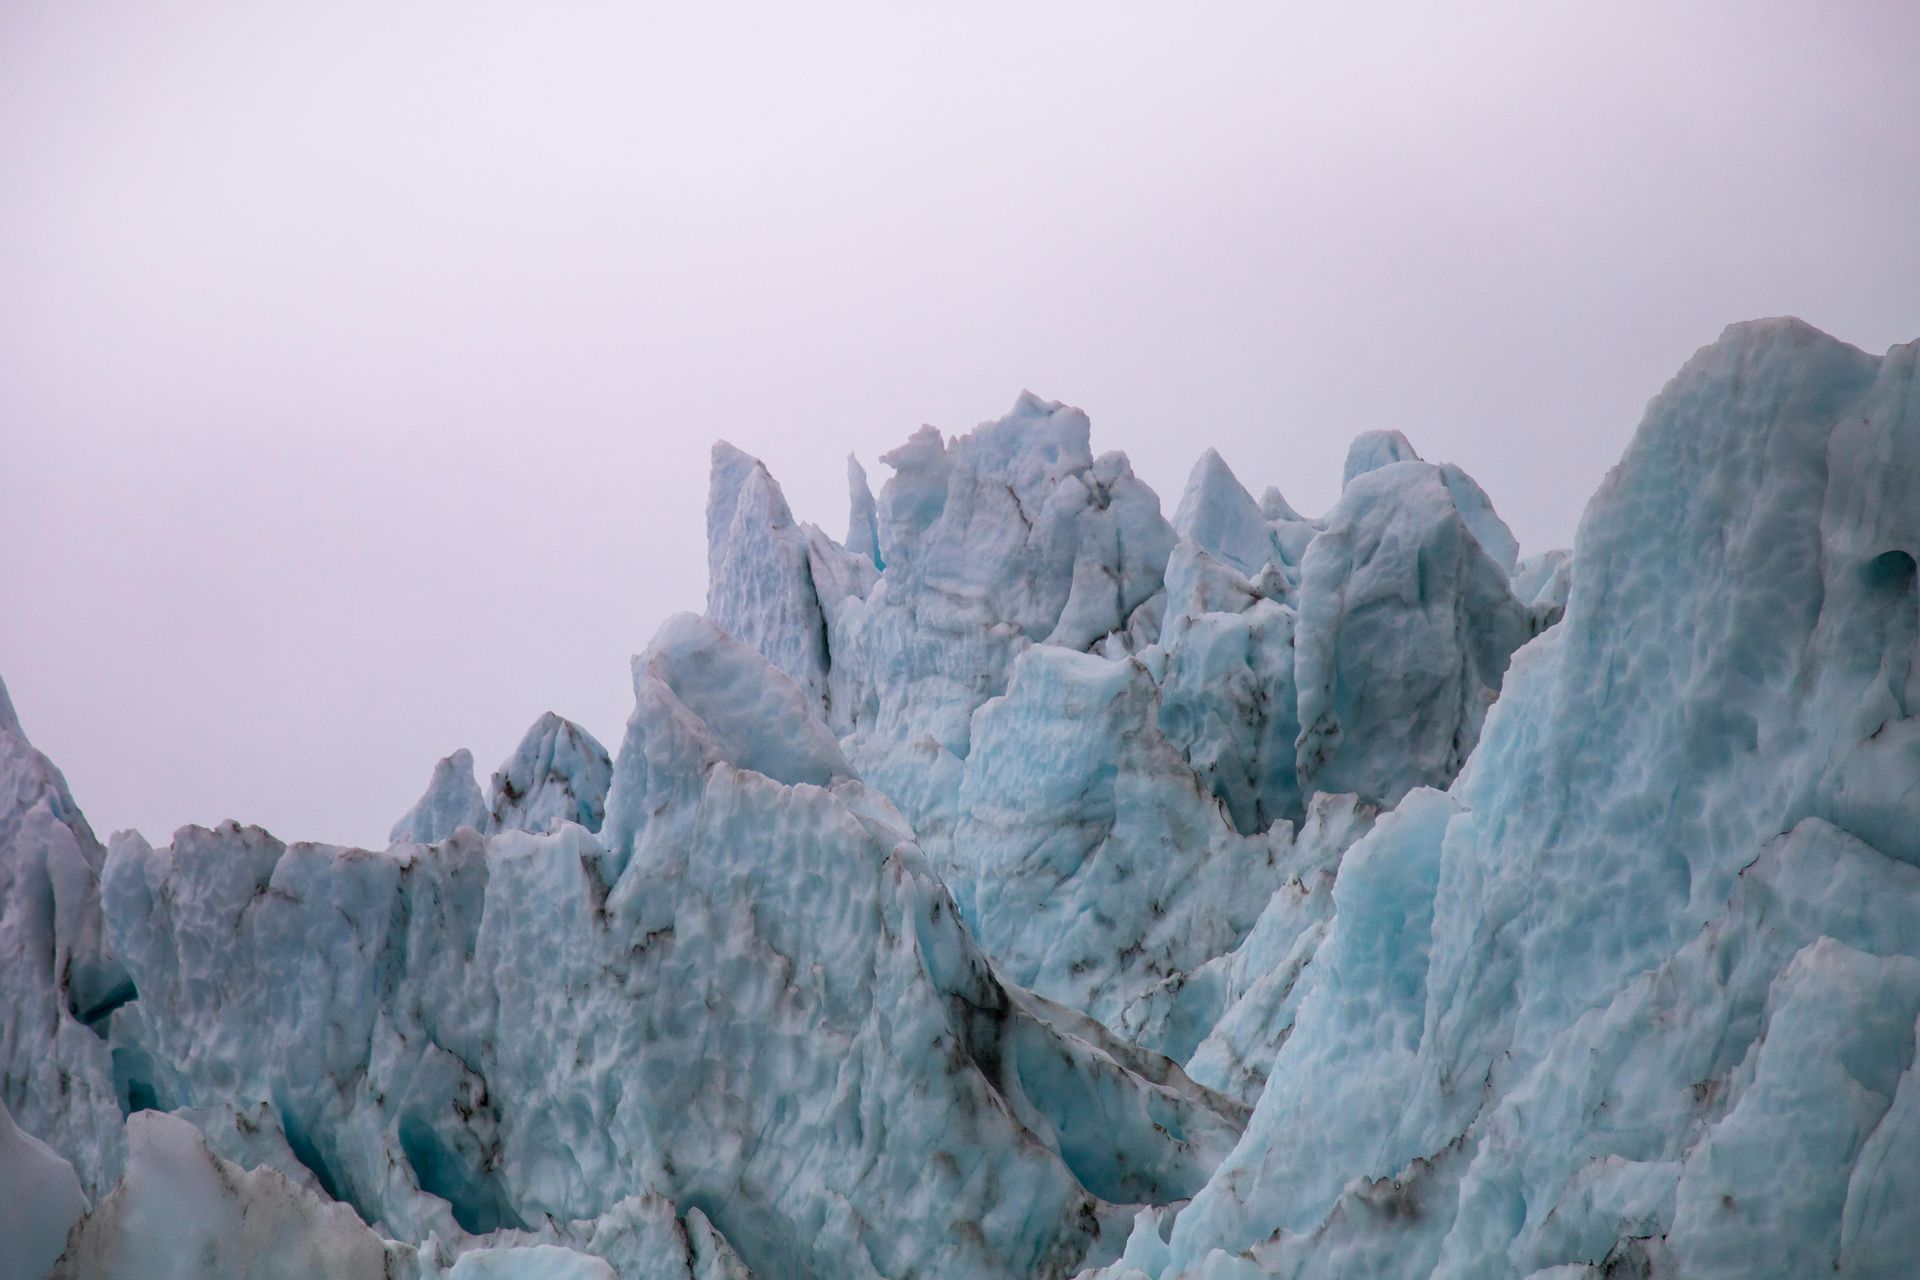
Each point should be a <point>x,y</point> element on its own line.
<point>358,365</point>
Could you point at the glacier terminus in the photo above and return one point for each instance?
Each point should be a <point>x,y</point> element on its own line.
<point>1040,881</point>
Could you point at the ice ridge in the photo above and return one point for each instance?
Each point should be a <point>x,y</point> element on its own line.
<point>1035,886</point>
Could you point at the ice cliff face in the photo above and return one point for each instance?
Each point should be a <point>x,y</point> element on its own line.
<point>1032,885</point>
<point>737,1002</point>
<point>1637,997</point>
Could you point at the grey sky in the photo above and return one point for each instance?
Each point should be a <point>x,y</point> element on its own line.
<point>358,364</point>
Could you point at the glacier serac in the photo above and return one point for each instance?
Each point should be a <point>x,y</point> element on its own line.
<point>451,801</point>
<point>1034,885</point>
<point>1405,628</point>
<point>558,774</point>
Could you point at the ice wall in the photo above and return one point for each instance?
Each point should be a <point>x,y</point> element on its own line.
<point>751,1002</point>
<point>1638,997</point>
<point>1103,728</point>
<point>1034,886</point>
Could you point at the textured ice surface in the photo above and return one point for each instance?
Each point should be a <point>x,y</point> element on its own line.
<point>184,1211</point>
<point>740,1003</point>
<point>1406,626</point>
<point>183,1214</point>
<point>1065,869</point>
<point>995,541</point>
<point>863,516</point>
<point>1637,997</point>
<point>558,774</point>
<point>1372,450</point>
<point>40,1200</point>
<point>759,584</point>
<point>452,800</point>
<point>1543,582</point>
<point>1032,884</point>
<point>1221,517</point>
<point>60,977</point>
<point>1035,606</point>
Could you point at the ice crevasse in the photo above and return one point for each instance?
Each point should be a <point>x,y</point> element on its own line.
<point>1032,883</point>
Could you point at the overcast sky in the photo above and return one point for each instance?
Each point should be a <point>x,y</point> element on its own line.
<point>358,365</point>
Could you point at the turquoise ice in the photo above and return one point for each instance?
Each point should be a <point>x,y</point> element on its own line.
<point>1035,885</point>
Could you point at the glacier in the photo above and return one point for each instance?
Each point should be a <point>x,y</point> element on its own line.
<point>1032,884</point>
